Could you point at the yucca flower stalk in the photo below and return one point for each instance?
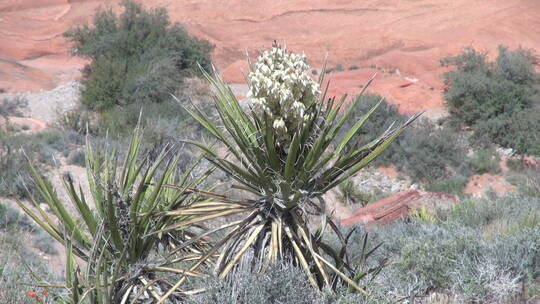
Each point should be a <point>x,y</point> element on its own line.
<point>285,152</point>
<point>111,239</point>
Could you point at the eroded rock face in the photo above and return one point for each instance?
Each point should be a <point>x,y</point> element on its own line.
<point>400,40</point>
<point>399,206</point>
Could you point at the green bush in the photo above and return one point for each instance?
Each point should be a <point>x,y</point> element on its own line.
<point>282,283</point>
<point>426,152</point>
<point>45,243</point>
<point>164,121</point>
<point>506,212</point>
<point>19,268</point>
<point>77,121</point>
<point>458,260</point>
<point>453,185</point>
<point>40,148</point>
<point>12,106</point>
<point>350,194</point>
<point>484,161</point>
<point>76,157</point>
<point>165,124</point>
<point>378,122</point>
<point>138,56</point>
<point>499,100</point>
<point>520,134</point>
<point>337,68</point>
<point>516,66</point>
<point>12,219</point>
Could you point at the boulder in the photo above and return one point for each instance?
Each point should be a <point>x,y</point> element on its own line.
<point>398,206</point>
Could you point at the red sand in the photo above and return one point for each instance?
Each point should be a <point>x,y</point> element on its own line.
<point>402,40</point>
<point>33,125</point>
<point>479,184</point>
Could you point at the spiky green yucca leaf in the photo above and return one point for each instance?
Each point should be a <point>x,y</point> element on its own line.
<point>288,173</point>
<point>113,232</point>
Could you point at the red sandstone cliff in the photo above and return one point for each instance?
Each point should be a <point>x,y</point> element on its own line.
<point>402,40</point>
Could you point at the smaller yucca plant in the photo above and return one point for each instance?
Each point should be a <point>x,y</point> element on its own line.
<point>423,215</point>
<point>285,152</point>
<point>111,240</point>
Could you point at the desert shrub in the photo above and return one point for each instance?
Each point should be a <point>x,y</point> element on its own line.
<point>12,106</point>
<point>458,261</point>
<point>531,187</point>
<point>515,164</point>
<point>350,194</point>
<point>454,185</point>
<point>518,134</point>
<point>45,243</point>
<point>499,100</point>
<point>281,283</point>
<point>526,179</point>
<point>499,272</point>
<point>138,56</point>
<point>165,124</point>
<point>484,161</point>
<point>76,157</point>
<point>432,259</point>
<point>507,214</point>
<point>484,251</point>
<point>164,121</point>
<point>40,148</point>
<point>19,268</point>
<point>13,219</point>
<point>78,121</point>
<point>377,296</point>
<point>337,68</point>
<point>14,173</point>
<point>426,152</point>
<point>516,65</point>
<point>385,115</point>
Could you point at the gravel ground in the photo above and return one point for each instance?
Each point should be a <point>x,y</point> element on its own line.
<point>48,105</point>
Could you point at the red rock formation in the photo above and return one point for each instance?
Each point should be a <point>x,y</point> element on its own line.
<point>397,206</point>
<point>402,40</point>
<point>531,162</point>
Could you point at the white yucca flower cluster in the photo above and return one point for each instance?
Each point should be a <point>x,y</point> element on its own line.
<point>281,88</point>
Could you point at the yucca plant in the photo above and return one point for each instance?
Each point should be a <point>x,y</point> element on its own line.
<point>422,214</point>
<point>111,246</point>
<point>283,150</point>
